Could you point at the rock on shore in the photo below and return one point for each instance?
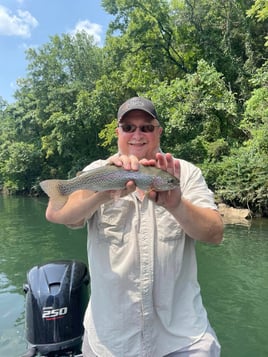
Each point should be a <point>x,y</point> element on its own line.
<point>233,215</point>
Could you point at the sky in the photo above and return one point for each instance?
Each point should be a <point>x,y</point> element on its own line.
<point>30,23</point>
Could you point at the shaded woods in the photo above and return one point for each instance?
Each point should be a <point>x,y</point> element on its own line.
<point>203,63</point>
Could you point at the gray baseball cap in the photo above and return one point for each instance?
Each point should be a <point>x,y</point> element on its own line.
<point>136,103</point>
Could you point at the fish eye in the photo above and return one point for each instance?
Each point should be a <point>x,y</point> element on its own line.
<point>173,180</point>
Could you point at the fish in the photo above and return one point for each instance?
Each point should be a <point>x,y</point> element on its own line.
<point>108,177</point>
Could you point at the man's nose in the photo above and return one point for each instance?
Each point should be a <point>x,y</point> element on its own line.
<point>138,132</point>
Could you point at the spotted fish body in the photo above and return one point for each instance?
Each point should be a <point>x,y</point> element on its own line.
<point>109,177</point>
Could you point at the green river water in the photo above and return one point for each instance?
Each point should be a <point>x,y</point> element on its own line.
<point>233,276</point>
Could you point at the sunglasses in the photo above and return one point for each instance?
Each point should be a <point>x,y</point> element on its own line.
<point>131,128</point>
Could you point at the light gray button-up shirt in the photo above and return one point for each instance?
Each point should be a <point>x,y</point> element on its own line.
<point>145,297</point>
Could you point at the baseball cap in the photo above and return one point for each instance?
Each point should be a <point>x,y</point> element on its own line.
<point>136,103</point>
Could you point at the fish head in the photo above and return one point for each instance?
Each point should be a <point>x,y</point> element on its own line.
<point>165,182</point>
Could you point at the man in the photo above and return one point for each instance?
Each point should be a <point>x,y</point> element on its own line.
<point>145,298</point>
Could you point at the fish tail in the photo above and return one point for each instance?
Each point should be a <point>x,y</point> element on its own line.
<point>51,188</point>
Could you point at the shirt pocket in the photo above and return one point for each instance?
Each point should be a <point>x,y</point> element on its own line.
<point>114,223</point>
<point>168,229</point>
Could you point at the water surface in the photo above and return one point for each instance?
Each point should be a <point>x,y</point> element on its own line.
<point>233,275</point>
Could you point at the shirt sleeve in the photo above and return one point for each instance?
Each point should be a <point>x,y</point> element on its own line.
<point>194,187</point>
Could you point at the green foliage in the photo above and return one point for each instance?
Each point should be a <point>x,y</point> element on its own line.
<point>108,136</point>
<point>259,9</point>
<point>256,107</point>
<point>19,167</point>
<point>242,179</point>
<point>203,63</point>
<point>147,33</point>
<point>199,114</point>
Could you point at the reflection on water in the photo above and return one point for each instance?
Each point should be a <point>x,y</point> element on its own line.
<point>233,276</point>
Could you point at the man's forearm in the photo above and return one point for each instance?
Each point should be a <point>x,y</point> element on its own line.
<point>78,208</point>
<point>204,224</point>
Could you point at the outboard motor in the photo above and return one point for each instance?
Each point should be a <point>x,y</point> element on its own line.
<point>56,300</point>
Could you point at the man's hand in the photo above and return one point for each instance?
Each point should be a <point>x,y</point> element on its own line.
<point>130,162</point>
<point>166,162</point>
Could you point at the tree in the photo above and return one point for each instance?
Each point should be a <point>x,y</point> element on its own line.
<point>20,167</point>
<point>203,63</point>
<point>240,179</point>
<point>144,44</point>
<point>61,76</point>
<point>259,10</point>
<point>199,114</point>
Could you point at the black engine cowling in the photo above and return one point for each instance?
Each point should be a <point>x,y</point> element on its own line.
<point>56,298</point>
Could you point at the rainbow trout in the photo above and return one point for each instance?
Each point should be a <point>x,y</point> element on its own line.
<point>109,177</point>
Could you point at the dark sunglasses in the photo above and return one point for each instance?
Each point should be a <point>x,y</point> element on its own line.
<point>131,128</point>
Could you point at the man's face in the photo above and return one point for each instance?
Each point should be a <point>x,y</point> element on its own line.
<point>139,143</point>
